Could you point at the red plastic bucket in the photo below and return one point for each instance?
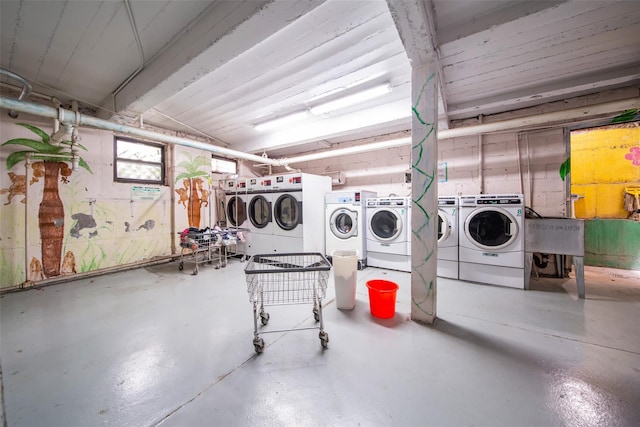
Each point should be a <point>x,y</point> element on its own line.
<point>382,298</point>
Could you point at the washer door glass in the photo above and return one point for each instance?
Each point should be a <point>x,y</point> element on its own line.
<point>259,212</point>
<point>444,228</point>
<point>491,228</point>
<point>344,223</point>
<point>287,212</point>
<point>236,211</point>
<point>385,224</point>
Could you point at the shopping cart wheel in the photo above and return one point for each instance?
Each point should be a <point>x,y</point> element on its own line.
<point>316,315</point>
<point>258,345</point>
<point>324,339</point>
<point>181,266</point>
<point>195,271</point>
<point>264,318</point>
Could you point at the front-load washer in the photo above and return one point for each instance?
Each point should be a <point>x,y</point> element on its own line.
<point>448,237</point>
<point>345,225</point>
<point>236,209</point>
<point>260,218</point>
<point>298,212</point>
<point>491,248</point>
<point>388,236</point>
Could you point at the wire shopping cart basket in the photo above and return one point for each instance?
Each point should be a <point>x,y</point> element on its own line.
<point>280,279</point>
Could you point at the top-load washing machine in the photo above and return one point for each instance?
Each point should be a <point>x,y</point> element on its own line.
<point>236,195</point>
<point>492,239</point>
<point>448,237</point>
<point>388,236</point>
<point>298,212</point>
<point>345,225</point>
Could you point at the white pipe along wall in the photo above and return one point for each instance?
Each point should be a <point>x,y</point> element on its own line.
<point>571,115</point>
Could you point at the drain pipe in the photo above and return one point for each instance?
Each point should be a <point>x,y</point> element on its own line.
<point>27,165</point>
<point>480,158</point>
<point>71,118</point>
<point>26,90</point>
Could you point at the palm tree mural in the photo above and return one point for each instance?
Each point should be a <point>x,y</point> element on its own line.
<point>193,195</point>
<point>52,165</point>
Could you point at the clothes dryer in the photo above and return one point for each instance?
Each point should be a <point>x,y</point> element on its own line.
<point>345,225</point>
<point>388,236</point>
<point>448,237</point>
<point>236,209</point>
<point>492,239</point>
<point>298,212</point>
<point>260,218</point>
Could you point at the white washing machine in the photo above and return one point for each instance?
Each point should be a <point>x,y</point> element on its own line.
<point>236,209</point>
<point>492,239</point>
<point>448,237</point>
<point>345,225</point>
<point>389,233</point>
<point>260,218</point>
<point>298,212</point>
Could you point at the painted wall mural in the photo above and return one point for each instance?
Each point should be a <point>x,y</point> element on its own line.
<point>193,194</point>
<point>50,162</point>
<point>57,222</point>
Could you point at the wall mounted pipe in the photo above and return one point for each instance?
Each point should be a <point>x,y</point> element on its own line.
<point>570,115</point>
<point>26,89</point>
<point>70,118</point>
<point>545,119</point>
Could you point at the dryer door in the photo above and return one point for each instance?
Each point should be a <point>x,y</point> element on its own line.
<point>236,211</point>
<point>259,211</point>
<point>385,224</point>
<point>287,212</point>
<point>491,228</point>
<point>344,223</point>
<point>444,227</point>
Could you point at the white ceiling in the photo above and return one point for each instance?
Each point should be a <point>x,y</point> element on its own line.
<point>217,68</point>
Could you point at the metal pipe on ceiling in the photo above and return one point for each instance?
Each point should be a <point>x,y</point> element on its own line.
<point>545,119</point>
<point>70,118</point>
<point>26,90</point>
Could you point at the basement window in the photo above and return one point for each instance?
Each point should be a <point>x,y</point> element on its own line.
<point>138,161</point>
<point>222,165</point>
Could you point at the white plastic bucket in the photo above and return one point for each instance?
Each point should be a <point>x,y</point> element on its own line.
<point>345,275</point>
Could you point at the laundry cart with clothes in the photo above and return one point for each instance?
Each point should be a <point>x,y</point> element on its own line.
<point>201,246</point>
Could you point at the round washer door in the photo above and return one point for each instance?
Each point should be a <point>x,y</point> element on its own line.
<point>344,223</point>
<point>385,224</point>
<point>236,211</point>
<point>259,212</point>
<point>444,227</point>
<point>491,228</point>
<point>287,212</point>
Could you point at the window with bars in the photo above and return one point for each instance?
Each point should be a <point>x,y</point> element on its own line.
<point>138,161</point>
<point>222,165</point>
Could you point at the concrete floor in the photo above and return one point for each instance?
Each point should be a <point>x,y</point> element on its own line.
<point>160,347</point>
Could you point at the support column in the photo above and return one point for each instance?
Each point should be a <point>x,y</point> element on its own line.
<point>424,192</point>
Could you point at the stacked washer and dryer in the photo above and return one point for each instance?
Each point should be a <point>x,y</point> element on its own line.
<point>492,239</point>
<point>388,236</point>
<point>345,223</point>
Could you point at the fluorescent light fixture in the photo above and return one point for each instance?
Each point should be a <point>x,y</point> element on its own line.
<point>351,99</point>
<point>280,121</point>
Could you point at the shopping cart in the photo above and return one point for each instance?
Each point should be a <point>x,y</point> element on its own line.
<point>280,279</point>
<point>201,246</point>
